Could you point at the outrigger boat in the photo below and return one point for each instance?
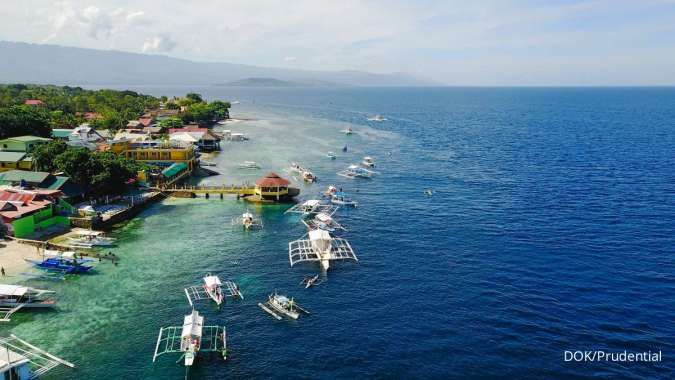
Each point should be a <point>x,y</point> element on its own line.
<point>20,360</point>
<point>90,239</point>
<point>249,165</point>
<point>355,171</point>
<point>320,247</point>
<point>63,265</point>
<point>368,162</point>
<point>191,338</point>
<point>348,131</point>
<point>322,221</point>
<point>278,305</point>
<point>248,220</point>
<point>311,207</point>
<point>303,172</point>
<point>16,297</point>
<point>377,117</point>
<point>341,198</point>
<point>212,288</point>
<point>331,155</point>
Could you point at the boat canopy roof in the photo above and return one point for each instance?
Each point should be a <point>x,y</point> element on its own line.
<point>12,290</point>
<point>323,217</point>
<point>192,325</point>
<point>89,233</point>
<point>10,359</point>
<point>211,281</point>
<point>319,234</point>
<point>312,203</point>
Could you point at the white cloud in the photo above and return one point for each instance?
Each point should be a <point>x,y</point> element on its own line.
<point>158,44</point>
<point>459,42</point>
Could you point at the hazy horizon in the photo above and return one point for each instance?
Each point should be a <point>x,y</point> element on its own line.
<point>491,44</point>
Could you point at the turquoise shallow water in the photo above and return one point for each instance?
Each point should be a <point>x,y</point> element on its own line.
<point>551,229</point>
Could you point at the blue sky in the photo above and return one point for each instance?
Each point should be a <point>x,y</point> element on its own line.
<point>554,42</point>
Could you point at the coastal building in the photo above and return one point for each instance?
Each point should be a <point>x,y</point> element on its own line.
<point>158,153</point>
<point>202,137</point>
<point>26,212</point>
<point>15,160</point>
<point>132,134</point>
<point>21,143</point>
<point>89,116</point>
<point>42,180</point>
<point>272,188</point>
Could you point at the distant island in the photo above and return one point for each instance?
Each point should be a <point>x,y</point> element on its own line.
<point>35,63</point>
<point>274,82</point>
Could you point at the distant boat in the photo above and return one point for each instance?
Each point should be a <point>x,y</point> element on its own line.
<point>355,171</point>
<point>368,162</point>
<point>344,148</point>
<point>331,155</point>
<point>348,131</point>
<point>249,165</point>
<point>377,117</point>
<point>342,199</point>
<point>279,304</point>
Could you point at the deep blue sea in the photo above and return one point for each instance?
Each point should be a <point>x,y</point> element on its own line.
<point>551,228</point>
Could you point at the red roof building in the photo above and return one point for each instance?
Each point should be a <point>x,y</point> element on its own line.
<point>272,179</point>
<point>33,102</point>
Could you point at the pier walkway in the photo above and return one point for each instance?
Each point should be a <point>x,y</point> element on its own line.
<point>241,190</point>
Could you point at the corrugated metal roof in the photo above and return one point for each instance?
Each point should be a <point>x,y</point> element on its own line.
<point>11,156</point>
<point>174,169</point>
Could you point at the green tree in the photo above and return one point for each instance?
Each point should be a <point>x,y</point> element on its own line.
<point>171,122</point>
<point>44,155</point>
<point>75,162</point>
<point>24,120</point>
<point>220,109</point>
<point>194,97</point>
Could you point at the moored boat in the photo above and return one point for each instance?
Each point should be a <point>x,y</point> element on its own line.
<point>355,171</point>
<point>341,198</point>
<point>249,165</point>
<point>368,162</point>
<point>279,305</point>
<point>26,297</point>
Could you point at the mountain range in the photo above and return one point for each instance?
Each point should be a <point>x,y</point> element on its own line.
<point>36,63</point>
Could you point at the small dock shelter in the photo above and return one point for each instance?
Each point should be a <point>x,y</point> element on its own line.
<point>273,188</point>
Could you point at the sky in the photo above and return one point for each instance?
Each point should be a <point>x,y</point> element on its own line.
<point>528,42</point>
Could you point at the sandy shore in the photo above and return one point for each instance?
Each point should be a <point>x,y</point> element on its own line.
<point>12,256</point>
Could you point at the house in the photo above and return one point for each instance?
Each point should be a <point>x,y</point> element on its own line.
<point>15,160</point>
<point>82,136</point>
<point>34,102</point>
<point>21,143</point>
<point>201,137</point>
<point>26,212</point>
<point>89,116</point>
<point>132,134</point>
<point>42,180</point>
<point>146,121</point>
<point>157,153</point>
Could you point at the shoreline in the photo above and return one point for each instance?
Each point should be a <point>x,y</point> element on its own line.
<point>12,255</point>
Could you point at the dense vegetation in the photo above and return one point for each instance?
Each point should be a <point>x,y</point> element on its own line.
<point>99,172</point>
<point>63,107</point>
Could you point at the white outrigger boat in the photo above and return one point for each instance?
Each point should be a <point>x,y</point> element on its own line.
<point>320,247</point>
<point>248,220</point>
<point>212,289</point>
<point>348,131</point>
<point>377,117</point>
<point>311,207</point>
<point>249,165</point>
<point>90,239</point>
<point>311,281</point>
<point>368,162</point>
<point>355,171</point>
<point>323,221</point>
<point>278,305</point>
<point>16,297</point>
<point>20,360</point>
<point>341,198</point>
<point>303,172</point>
<point>331,155</point>
<point>191,338</point>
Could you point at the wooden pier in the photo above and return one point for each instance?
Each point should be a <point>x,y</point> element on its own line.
<point>240,190</point>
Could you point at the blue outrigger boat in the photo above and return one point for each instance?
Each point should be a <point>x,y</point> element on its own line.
<point>61,265</point>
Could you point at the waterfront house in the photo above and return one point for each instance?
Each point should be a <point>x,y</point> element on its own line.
<point>26,212</point>
<point>202,137</point>
<point>157,153</point>
<point>21,143</point>
<point>42,180</point>
<point>15,160</point>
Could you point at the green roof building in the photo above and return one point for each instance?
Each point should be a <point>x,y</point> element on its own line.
<point>41,180</point>
<point>21,143</point>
